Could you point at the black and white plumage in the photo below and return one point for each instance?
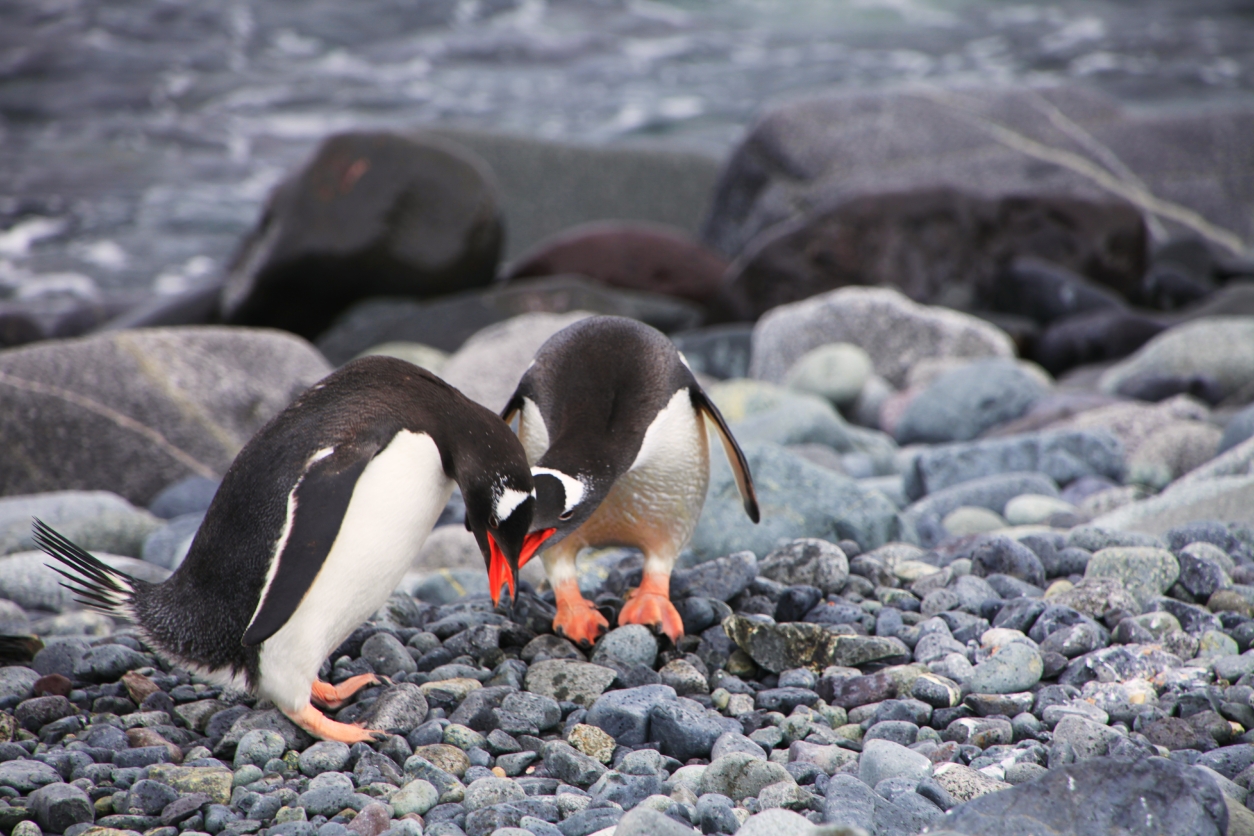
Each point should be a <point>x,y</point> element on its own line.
<point>615,426</point>
<point>314,525</point>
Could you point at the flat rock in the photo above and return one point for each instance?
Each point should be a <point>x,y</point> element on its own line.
<point>1063,456</point>
<point>566,680</point>
<point>961,404</point>
<point>779,647</point>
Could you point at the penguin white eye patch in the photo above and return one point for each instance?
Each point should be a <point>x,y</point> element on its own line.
<point>508,500</point>
<point>572,488</point>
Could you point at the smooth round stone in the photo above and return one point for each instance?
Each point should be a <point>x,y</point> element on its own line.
<point>1034,509</point>
<point>836,371</point>
<point>248,773</point>
<point>1226,600</point>
<point>463,737</point>
<point>1214,643</point>
<point>883,759</point>
<point>1024,771</point>
<point>17,681</point>
<point>897,731</point>
<point>488,791</point>
<point>1015,667</point>
<point>936,690</point>
<point>259,746</point>
<point>387,655</point>
<point>970,519</point>
<point>633,643</point>
<point>740,775</point>
<point>323,756</point>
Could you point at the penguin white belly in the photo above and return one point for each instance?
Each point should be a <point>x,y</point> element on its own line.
<point>655,505</point>
<point>394,506</point>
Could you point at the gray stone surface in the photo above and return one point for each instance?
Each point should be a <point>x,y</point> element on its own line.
<point>894,331</point>
<point>133,411</point>
<point>961,404</point>
<point>1215,347</point>
<point>1061,455</point>
<point>1097,797</point>
<point>796,498</point>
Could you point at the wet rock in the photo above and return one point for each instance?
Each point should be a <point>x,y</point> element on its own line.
<point>377,216</point>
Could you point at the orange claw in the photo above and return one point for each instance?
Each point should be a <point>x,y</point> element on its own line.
<point>319,725</point>
<point>650,605</point>
<point>576,618</point>
<point>333,696</point>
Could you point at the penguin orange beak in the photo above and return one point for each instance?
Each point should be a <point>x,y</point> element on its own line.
<point>532,543</point>
<point>499,572</point>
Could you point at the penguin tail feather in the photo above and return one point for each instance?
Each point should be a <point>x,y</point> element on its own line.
<point>95,583</point>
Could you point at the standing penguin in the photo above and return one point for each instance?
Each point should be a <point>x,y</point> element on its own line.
<point>614,424</point>
<point>314,525</point>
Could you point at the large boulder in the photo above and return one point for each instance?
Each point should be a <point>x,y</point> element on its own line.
<point>895,332</point>
<point>998,144</point>
<point>1218,347</point>
<point>447,323</point>
<point>372,214</point>
<point>487,368</point>
<point>936,244</point>
<point>133,411</point>
<point>547,187</point>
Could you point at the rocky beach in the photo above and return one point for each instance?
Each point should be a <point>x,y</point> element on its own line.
<point>989,351</point>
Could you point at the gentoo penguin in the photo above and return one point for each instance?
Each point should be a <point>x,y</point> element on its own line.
<point>614,425</point>
<point>315,523</point>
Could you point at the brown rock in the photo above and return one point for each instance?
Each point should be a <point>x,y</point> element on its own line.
<point>53,684</point>
<point>634,256</point>
<point>140,736</point>
<point>139,686</point>
<point>371,821</point>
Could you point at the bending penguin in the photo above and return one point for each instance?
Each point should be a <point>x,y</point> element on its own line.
<point>614,425</point>
<point>315,523</point>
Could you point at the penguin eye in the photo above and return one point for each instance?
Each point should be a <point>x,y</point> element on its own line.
<point>565,515</point>
<point>493,522</point>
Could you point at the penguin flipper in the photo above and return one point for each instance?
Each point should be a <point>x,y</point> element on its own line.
<point>316,508</point>
<point>735,456</point>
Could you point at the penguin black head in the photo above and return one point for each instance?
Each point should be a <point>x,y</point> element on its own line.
<point>499,513</point>
<point>561,503</point>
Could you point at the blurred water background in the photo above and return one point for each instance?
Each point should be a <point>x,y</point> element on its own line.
<point>139,138</point>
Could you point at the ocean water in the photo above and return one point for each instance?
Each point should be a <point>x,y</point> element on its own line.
<point>139,138</point>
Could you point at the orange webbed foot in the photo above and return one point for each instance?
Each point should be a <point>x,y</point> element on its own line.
<point>577,620</point>
<point>334,696</point>
<point>319,725</point>
<point>650,605</point>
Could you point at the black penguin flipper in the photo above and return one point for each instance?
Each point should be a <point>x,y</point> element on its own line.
<point>735,456</point>
<point>95,583</point>
<point>317,505</point>
<point>513,407</point>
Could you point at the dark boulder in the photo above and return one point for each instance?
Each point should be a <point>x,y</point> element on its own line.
<point>372,214</point>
